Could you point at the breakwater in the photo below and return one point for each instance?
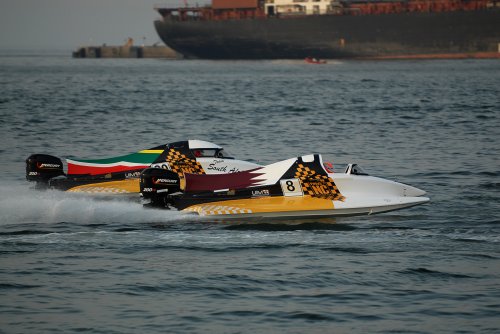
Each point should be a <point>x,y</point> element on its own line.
<point>125,52</point>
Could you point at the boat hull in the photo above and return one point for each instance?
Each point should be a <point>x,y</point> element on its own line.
<point>298,208</point>
<point>360,195</point>
<point>337,36</point>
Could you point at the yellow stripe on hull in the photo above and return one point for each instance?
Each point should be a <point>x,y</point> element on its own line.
<point>262,205</point>
<point>152,151</point>
<point>111,187</point>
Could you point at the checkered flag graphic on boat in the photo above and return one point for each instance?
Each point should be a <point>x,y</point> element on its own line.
<point>213,210</point>
<point>180,164</point>
<point>316,185</point>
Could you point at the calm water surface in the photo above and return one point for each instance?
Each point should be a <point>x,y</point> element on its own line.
<point>75,264</point>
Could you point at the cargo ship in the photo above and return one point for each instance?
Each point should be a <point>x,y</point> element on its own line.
<point>296,29</point>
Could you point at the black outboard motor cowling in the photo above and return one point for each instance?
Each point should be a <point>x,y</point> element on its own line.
<point>158,185</point>
<point>42,167</point>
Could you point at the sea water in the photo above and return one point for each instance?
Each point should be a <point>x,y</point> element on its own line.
<point>71,263</point>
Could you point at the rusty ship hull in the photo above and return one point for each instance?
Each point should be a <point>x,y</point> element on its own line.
<point>397,35</point>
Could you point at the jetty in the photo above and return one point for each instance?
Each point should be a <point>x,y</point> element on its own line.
<point>128,50</point>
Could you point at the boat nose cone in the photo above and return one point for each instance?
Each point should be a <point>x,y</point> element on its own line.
<point>409,191</point>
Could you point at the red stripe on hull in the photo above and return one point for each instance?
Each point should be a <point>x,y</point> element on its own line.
<point>79,170</point>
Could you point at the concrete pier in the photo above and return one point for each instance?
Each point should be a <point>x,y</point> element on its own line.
<point>125,52</point>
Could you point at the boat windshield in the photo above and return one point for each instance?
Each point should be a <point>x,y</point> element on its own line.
<point>357,170</point>
<point>224,154</point>
<point>212,153</point>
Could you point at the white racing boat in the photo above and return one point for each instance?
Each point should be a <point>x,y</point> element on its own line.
<point>302,187</point>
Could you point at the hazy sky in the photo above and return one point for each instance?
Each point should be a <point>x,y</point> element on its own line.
<point>67,24</point>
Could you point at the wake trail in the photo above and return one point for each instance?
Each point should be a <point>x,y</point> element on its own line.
<point>19,205</point>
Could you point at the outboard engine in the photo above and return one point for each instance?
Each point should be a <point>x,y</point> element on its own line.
<point>158,185</point>
<point>40,168</point>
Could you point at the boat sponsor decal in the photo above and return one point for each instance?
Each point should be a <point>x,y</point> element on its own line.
<point>221,166</point>
<point>157,180</point>
<point>216,166</point>
<point>180,163</point>
<point>211,210</point>
<point>132,175</point>
<point>291,187</point>
<point>42,165</point>
<point>261,193</point>
<point>316,185</point>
